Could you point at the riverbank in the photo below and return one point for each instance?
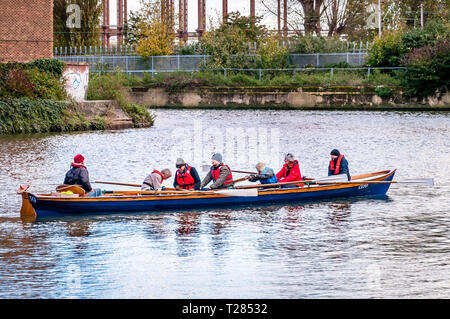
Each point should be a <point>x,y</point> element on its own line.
<point>27,115</point>
<point>283,97</point>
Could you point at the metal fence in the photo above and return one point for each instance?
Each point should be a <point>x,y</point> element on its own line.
<point>353,47</point>
<point>260,74</point>
<point>173,63</point>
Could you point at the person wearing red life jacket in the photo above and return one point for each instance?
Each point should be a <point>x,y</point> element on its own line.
<point>338,164</point>
<point>219,174</point>
<point>290,172</point>
<point>186,176</point>
<point>154,180</point>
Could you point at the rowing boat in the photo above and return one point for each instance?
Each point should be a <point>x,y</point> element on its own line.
<point>40,205</point>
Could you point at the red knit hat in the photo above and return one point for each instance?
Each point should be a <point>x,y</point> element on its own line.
<point>78,159</point>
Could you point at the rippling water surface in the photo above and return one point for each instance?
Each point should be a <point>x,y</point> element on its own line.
<point>397,246</point>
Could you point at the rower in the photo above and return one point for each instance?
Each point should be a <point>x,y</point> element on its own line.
<point>219,173</point>
<point>78,175</point>
<point>338,164</point>
<point>186,176</point>
<point>290,172</point>
<point>265,174</point>
<point>155,179</point>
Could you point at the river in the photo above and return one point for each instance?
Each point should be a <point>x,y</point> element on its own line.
<point>396,246</point>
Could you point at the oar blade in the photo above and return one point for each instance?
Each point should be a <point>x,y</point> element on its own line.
<point>332,178</point>
<point>252,192</point>
<point>418,181</point>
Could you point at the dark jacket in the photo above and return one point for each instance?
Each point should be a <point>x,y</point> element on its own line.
<point>194,174</point>
<point>342,170</point>
<point>219,183</point>
<point>78,176</point>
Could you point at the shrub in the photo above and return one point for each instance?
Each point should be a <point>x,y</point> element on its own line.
<point>52,66</point>
<point>387,50</point>
<point>38,79</point>
<point>112,86</point>
<point>383,91</point>
<point>25,115</point>
<point>317,44</point>
<point>428,69</point>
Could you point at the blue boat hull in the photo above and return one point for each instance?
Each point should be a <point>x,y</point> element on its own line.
<point>45,207</point>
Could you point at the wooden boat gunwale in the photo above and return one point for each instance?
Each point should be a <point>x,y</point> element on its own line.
<point>172,199</point>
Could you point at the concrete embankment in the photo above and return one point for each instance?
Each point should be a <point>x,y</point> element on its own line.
<point>338,97</point>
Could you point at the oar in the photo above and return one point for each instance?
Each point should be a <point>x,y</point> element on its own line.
<point>326,180</point>
<point>117,183</point>
<point>424,182</point>
<point>417,181</point>
<point>228,192</point>
<point>127,184</point>
<point>244,172</point>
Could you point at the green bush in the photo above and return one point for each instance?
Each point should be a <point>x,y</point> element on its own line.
<point>314,44</point>
<point>389,50</point>
<point>38,79</point>
<point>383,91</point>
<point>25,115</point>
<point>112,86</point>
<point>52,66</point>
<point>428,69</point>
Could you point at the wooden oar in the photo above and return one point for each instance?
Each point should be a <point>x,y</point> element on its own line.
<point>417,181</point>
<point>424,182</point>
<point>244,172</point>
<point>128,184</point>
<point>229,192</point>
<point>333,178</point>
<point>117,183</point>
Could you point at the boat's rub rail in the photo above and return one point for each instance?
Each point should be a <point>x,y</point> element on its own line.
<point>263,191</point>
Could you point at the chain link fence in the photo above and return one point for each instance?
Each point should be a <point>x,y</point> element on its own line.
<point>190,63</point>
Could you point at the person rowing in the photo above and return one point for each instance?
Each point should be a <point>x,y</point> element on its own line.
<point>290,172</point>
<point>186,176</point>
<point>265,174</point>
<point>219,173</point>
<point>79,175</point>
<point>154,180</point>
<point>338,164</point>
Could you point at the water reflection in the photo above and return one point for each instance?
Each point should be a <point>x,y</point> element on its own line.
<point>327,249</point>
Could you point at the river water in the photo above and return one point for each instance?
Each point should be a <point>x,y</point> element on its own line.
<point>396,246</point>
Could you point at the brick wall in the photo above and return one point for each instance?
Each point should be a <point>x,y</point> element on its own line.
<point>26,30</point>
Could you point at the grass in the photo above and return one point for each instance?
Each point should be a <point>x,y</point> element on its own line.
<point>178,81</point>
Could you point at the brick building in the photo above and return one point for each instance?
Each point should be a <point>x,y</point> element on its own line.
<point>26,30</point>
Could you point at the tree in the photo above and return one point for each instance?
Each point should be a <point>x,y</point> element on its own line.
<point>345,16</point>
<point>154,29</point>
<point>76,22</point>
<point>228,45</point>
<point>398,13</point>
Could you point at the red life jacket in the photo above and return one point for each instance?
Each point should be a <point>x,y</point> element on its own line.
<point>185,179</point>
<point>338,165</point>
<point>215,172</point>
<point>160,174</point>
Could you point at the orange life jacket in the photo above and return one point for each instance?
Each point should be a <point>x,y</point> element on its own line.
<point>338,165</point>
<point>185,179</point>
<point>215,172</point>
<point>160,174</point>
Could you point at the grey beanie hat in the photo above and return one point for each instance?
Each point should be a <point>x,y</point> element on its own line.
<point>289,157</point>
<point>180,161</point>
<point>217,157</point>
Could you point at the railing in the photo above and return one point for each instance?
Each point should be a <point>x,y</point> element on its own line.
<point>130,63</point>
<point>259,73</point>
<point>352,47</point>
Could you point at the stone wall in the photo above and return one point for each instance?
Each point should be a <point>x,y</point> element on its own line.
<point>334,97</point>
